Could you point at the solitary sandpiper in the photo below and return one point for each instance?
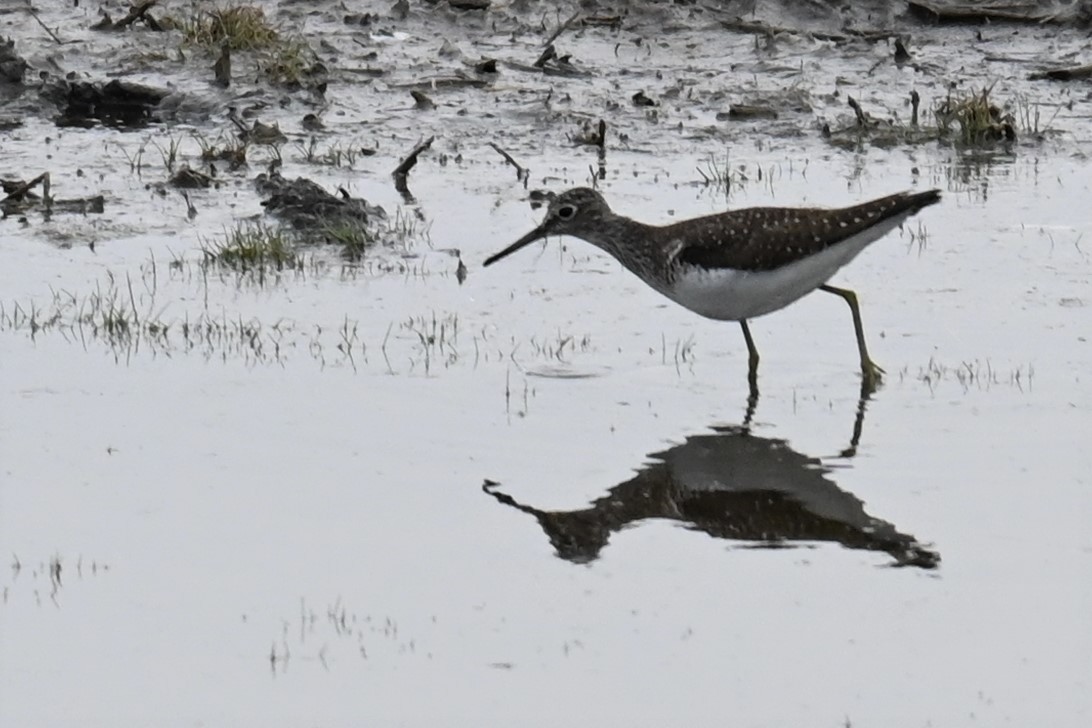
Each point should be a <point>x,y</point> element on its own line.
<point>734,266</point>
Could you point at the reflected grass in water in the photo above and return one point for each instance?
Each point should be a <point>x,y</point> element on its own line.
<point>56,569</point>
<point>973,375</point>
<point>128,318</point>
<point>325,636</point>
<point>110,316</point>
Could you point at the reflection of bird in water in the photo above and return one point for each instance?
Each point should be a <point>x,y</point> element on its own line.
<point>732,485</point>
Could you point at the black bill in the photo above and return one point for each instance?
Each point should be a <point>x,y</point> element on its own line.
<point>536,234</point>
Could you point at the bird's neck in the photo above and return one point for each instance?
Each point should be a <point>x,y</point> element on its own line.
<point>628,241</point>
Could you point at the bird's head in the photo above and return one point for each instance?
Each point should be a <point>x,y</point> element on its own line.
<point>573,212</point>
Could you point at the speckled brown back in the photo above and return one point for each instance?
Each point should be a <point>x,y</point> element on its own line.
<point>767,238</point>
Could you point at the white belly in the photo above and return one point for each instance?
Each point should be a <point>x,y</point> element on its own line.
<point>734,295</point>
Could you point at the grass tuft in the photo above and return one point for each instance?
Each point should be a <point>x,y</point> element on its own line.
<point>280,58</point>
<point>980,121</point>
<point>288,62</point>
<point>353,237</point>
<point>242,27</point>
<point>254,246</point>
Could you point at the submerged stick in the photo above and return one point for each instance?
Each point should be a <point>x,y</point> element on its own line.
<point>222,68</point>
<point>853,104</point>
<point>548,55</point>
<point>901,54</point>
<point>407,164</point>
<point>401,172</point>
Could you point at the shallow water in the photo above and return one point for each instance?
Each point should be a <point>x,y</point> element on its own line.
<point>340,498</point>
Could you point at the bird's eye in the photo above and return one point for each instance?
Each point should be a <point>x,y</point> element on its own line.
<point>566,212</point>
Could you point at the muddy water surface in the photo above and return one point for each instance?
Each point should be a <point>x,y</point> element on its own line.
<point>367,492</point>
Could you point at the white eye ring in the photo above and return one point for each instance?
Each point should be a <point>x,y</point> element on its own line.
<point>566,212</point>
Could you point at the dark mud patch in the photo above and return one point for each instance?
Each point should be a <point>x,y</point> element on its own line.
<point>115,103</point>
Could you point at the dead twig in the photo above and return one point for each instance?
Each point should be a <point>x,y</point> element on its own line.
<point>1032,13</point>
<point>139,12</point>
<point>1063,74</point>
<point>17,191</point>
<point>34,14</point>
<point>562,28</point>
<point>738,25</point>
<point>548,55</point>
<point>522,173</point>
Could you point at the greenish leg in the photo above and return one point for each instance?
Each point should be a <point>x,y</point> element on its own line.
<point>752,352</point>
<point>871,372</point>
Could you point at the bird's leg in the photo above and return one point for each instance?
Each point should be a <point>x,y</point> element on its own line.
<point>752,352</point>
<point>752,375</point>
<point>871,372</point>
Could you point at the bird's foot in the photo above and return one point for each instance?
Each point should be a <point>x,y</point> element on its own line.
<point>872,374</point>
